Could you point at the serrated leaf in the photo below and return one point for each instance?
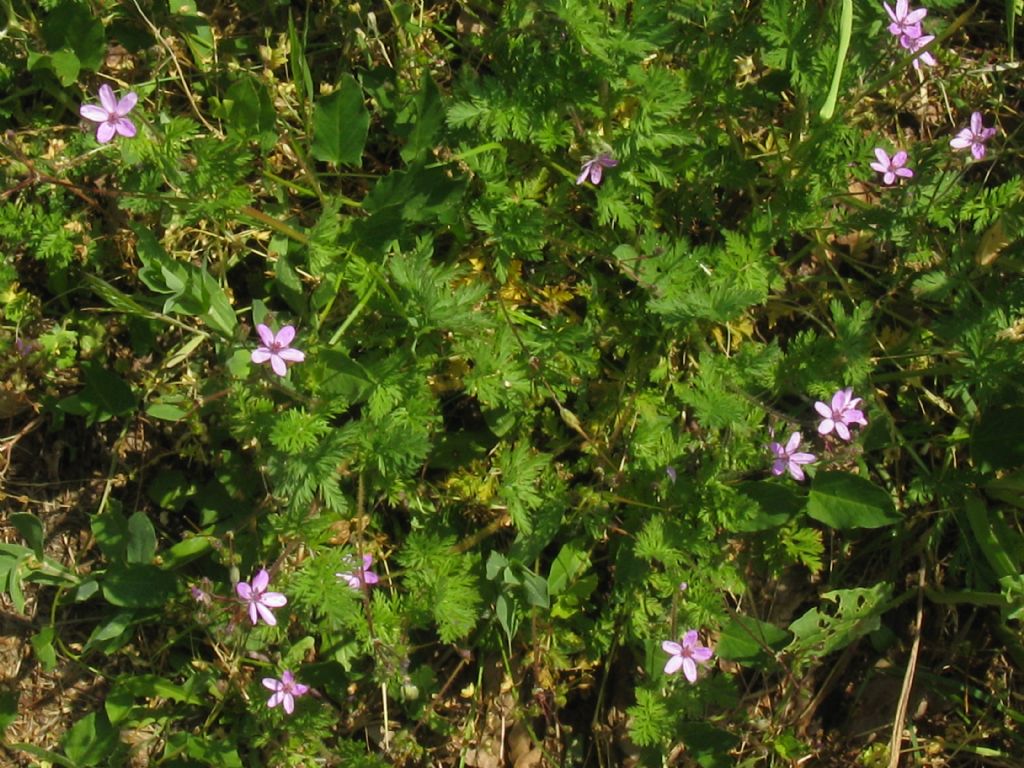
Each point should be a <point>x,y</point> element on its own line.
<point>340,125</point>
<point>843,501</point>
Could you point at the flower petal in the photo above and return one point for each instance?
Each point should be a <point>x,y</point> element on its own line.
<point>289,703</point>
<point>260,355</point>
<point>104,132</point>
<point>882,156</point>
<point>278,365</point>
<point>127,103</point>
<point>292,355</point>
<point>264,612</point>
<point>823,410</point>
<point>670,647</point>
<point>260,581</point>
<point>702,654</point>
<point>273,599</point>
<point>795,472</point>
<point>107,99</point>
<point>842,431</point>
<point>93,112</point>
<point>285,336</point>
<point>690,669</point>
<point>673,664</point>
<point>272,683</point>
<point>266,335</point>
<point>125,127</point>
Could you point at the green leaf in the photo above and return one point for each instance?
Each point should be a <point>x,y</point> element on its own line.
<point>42,647</point>
<point>91,741</point>
<point>71,28</point>
<point>857,612</point>
<point>105,396</point>
<point>570,561</point>
<point>251,113</point>
<point>110,635</point>
<point>141,539</point>
<point>166,412</point>
<point>42,754</point>
<point>843,501</point>
<point>778,503</point>
<point>138,586</point>
<point>340,125</point>
<point>31,530</point>
<point>750,641</point>
<point>711,747</point>
<point>111,531</point>
<point>8,710</point>
<point>994,537</point>
<point>997,440</point>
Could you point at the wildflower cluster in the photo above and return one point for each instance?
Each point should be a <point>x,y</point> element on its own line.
<point>837,416</point>
<point>905,26</point>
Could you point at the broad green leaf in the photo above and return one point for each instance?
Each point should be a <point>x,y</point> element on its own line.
<point>340,125</point>
<point>91,741</point>
<point>570,561</point>
<point>750,641</point>
<point>31,529</point>
<point>857,612</point>
<point>138,586</point>
<point>105,396</point>
<point>8,709</point>
<point>997,440</point>
<point>42,647</point>
<point>110,635</point>
<point>778,503</point>
<point>111,531</point>
<point>997,541</point>
<point>141,539</point>
<point>843,501</point>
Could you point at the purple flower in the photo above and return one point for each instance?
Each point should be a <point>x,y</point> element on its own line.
<point>286,690</point>
<point>672,474</point>
<point>276,348</point>
<point>789,458</point>
<point>360,576</point>
<point>260,601</point>
<point>111,114</point>
<point>974,137</point>
<point>595,166</point>
<point>890,168</point>
<point>914,44</point>
<point>904,20</point>
<point>841,414</point>
<point>200,595</point>
<point>686,655</point>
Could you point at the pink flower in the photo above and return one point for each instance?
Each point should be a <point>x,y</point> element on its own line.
<point>841,414</point>
<point>974,137</point>
<point>276,348</point>
<point>286,690</point>
<point>789,457</point>
<point>594,167</point>
<point>260,601</point>
<point>111,114</point>
<point>904,20</point>
<point>360,576</point>
<point>916,43</point>
<point>686,655</point>
<point>891,168</point>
